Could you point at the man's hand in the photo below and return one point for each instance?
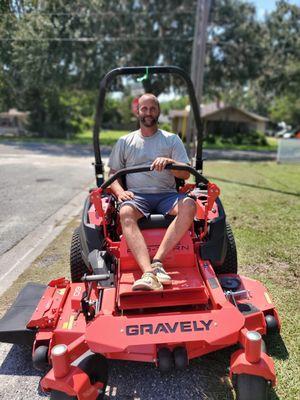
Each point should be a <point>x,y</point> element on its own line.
<point>126,195</point>
<point>160,163</point>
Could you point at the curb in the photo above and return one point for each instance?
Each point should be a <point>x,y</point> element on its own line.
<point>21,256</point>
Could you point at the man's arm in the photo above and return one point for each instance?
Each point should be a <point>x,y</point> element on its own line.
<point>118,189</point>
<point>160,163</point>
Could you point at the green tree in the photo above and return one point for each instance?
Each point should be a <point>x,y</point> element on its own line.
<point>53,50</point>
<point>236,50</point>
<point>286,108</point>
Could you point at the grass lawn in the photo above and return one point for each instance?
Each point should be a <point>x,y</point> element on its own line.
<point>263,205</point>
<point>109,138</point>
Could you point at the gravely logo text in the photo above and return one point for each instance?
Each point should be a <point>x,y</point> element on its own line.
<point>154,247</point>
<point>166,327</point>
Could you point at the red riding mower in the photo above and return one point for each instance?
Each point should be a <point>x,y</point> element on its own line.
<point>76,326</point>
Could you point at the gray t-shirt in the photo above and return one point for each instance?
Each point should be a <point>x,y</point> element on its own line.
<point>134,150</point>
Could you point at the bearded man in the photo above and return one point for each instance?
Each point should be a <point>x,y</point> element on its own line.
<point>151,192</point>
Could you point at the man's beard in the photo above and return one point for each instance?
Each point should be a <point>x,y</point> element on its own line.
<point>148,121</point>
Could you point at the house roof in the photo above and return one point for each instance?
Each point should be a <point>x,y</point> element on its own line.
<point>214,108</point>
<point>13,112</point>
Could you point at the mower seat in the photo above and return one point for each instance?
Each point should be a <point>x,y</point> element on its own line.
<point>155,221</point>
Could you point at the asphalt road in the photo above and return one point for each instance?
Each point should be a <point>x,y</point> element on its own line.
<point>36,181</point>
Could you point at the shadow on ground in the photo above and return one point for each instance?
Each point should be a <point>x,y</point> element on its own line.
<point>18,362</point>
<point>205,378</point>
<point>276,347</point>
<point>253,186</point>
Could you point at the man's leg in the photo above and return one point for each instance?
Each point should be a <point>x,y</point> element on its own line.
<point>134,238</point>
<point>185,211</point>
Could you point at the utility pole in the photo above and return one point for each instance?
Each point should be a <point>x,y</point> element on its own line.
<point>198,61</point>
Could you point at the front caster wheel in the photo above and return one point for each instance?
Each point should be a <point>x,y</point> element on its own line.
<point>40,358</point>
<point>165,359</point>
<point>249,385</point>
<point>181,359</point>
<point>272,324</point>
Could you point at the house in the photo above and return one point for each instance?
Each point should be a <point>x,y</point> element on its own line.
<point>13,122</point>
<point>220,119</point>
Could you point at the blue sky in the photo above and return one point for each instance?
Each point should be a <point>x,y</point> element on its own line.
<point>263,6</point>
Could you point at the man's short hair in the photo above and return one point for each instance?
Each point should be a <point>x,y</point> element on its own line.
<point>149,96</point>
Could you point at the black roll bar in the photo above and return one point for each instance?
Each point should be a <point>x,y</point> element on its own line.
<point>146,168</point>
<point>104,84</point>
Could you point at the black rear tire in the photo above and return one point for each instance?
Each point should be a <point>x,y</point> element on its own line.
<point>249,387</point>
<point>230,264</point>
<point>77,265</point>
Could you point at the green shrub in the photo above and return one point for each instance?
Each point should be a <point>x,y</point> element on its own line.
<point>253,137</point>
<point>211,139</point>
<point>165,126</point>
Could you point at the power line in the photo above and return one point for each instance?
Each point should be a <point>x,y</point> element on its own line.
<point>100,13</point>
<point>97,39</point>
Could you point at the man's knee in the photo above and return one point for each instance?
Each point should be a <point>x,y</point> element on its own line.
<point>187,207</point>
<point>129,215</point>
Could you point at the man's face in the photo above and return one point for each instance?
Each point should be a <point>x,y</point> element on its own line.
<point>148,112</point>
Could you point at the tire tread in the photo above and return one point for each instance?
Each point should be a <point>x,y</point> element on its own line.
<point>77,265</point>
<point>230,264</point>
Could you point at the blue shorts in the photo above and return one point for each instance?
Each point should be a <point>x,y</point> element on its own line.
<point>154,203</point>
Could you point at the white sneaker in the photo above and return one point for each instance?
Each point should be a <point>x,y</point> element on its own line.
<point>148,281</point>
<point>159,271</point>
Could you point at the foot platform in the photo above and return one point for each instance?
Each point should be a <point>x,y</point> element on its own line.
<point>187,288</point>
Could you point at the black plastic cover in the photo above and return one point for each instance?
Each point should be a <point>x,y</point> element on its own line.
<point>13,323</point>
<point>91,236</point>
<point>215,248</point>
